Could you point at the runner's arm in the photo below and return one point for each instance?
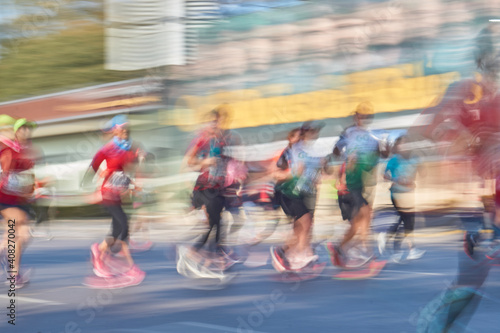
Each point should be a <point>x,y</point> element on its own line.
<point>389,170</point>
<point>196,163</point>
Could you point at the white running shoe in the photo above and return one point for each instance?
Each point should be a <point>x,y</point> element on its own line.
<point>359,257</point>
<point>397,257</point>
<point>382,241</point>
<point>301,262</point>
<point>415,254</point>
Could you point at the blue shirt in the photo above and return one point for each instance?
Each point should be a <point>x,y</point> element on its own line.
<point>400,167</point>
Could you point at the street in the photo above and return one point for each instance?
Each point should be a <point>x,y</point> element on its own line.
<point>57,301</point>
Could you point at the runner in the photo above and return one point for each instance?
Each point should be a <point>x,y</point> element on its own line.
<point>451,310</point>
<point>206,156</point>
<point>260,187</point>
<point>120,154</point>
<point>473,106</point>
<point>401,170</point>
<point>299,174</point>
<point>16,189</point>
<point>361,152</point>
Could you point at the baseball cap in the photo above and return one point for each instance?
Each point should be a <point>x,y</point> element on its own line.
<point>365,108</point>
<point>312,125</point>
<point>118,120</point>
<point>6,121</point>
<point>23,122</point>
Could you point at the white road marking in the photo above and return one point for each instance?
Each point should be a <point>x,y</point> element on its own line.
<point>410,272</point>
<point>215,327</point>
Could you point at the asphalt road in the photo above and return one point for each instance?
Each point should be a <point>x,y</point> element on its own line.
<point>57,301</point>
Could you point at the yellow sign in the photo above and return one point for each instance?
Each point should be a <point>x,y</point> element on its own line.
<point>127,102</point>
<point>389,89</point>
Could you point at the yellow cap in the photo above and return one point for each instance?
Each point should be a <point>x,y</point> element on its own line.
<point>23,122</point>
<point>365,108</point>
<point>6,121</point>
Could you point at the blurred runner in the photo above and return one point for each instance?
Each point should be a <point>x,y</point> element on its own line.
<point>259,189</point>
<point>206,156</point>
<point>401,170</point>
<point>361,152</point>
<point>299,172</point>
<point>472,106</point>
<point>120,154</point>
<point>452,310</point>
<point>16,190</point>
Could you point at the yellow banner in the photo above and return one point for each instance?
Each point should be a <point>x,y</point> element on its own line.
<point>390,89</point>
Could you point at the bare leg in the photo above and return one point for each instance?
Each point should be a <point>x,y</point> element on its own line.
<point>357,224</point>
<point>365,226</point>
<point>300,242</point>
<point>19,219</point>
<point>127,254</point>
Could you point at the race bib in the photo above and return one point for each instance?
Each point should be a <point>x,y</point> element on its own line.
<point>19,184</point>
<point>118,182</point>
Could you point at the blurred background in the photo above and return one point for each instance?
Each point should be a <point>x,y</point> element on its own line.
<point>71,65</point>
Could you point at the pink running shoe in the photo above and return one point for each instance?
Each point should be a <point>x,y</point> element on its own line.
<point>99,269</point>
<point>95,254</point>
<point>22,279</point>
<point>133,277</point>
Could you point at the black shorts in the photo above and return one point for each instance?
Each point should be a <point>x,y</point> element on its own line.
<point>345,207</point>
<point>119,223</point>
<point>27,209</point>
<point>203,197</point>
<point>293,207</point>
<point>354,200</point>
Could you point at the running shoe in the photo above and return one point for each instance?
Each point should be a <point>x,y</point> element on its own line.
<point>40,234</point>
<point>135,276</point>
<point>360,254</point>
<point>95,253</point>
<point>337,255</point>
<point>382,241</point>
<point>132,277</point>
<point>229,255</point>
<point>397,257</point>
<point>298,264</point>
<point>357,258</point>
<point>331,251</point>
<point>470,241</point>
<point>99,268</point>
<point>279,259</point>
<point>415,254</point>
<point>493,251</point>
<point>22,280</point>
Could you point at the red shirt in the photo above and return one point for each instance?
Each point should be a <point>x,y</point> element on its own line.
<point>116,160</point>
<point>204,147</point>
<point>14,161</point>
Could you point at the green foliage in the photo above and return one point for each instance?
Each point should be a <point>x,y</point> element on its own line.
<point>70,58</point>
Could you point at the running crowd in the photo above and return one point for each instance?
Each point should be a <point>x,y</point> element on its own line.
<point>288,183</point>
